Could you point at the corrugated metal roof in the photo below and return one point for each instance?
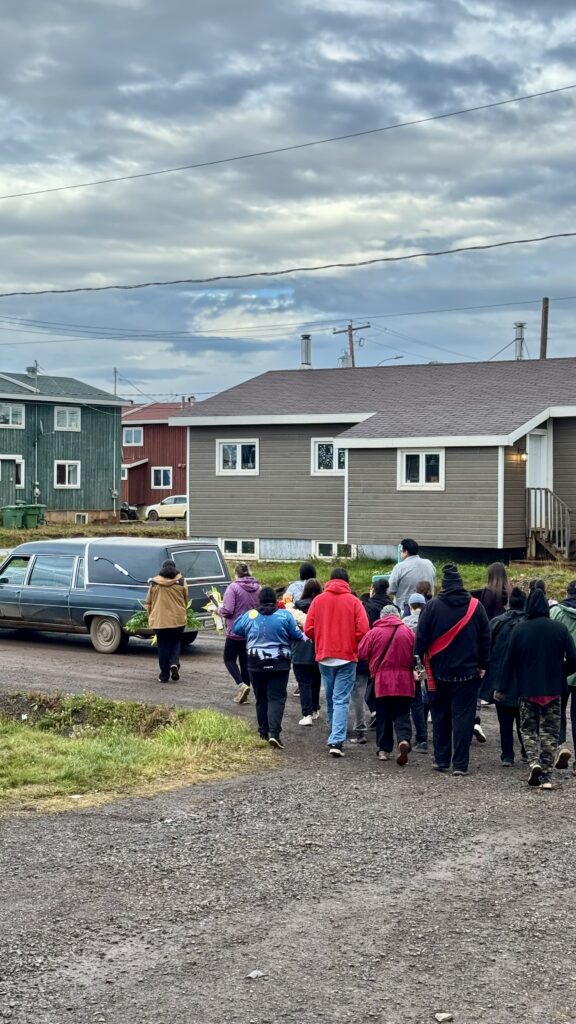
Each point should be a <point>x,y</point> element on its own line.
<point>448,399</point>
<point>54,387</point>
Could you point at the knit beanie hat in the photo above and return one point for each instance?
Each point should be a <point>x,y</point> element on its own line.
<point>451,578</point>
<point>416,599</point>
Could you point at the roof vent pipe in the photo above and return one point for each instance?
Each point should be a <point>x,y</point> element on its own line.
<point>305,351</point>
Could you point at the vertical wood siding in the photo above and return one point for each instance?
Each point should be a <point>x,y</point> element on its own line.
<point>284,500</point>
<point>514,499</point>
<point>464,515</point>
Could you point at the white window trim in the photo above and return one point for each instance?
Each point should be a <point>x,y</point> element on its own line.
<point>401,485</point>
<point>335,544</point>
<point>67,409</point>
<point>237,472</point>
<point>124,472</point>
<point>160,487</point>
<point>240,553</point>
<point>314,471</point>
<point>14,426</point>
<point>132,444</point>
<point>67,462</point>
<point>22,463</point>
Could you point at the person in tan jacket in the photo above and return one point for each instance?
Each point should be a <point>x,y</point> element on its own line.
<point>166,604</point>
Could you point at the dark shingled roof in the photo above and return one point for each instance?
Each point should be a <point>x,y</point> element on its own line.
<point>445,399</point>
<point>55,387</point>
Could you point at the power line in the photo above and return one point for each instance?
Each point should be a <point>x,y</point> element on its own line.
<point>288,149</point>
<point>142,333</point>
<point>424,344</point>
<point>289,270</point>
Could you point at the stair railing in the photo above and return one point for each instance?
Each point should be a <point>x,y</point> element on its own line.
<point>548,518</point>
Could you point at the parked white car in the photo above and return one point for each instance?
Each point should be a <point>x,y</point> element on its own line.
<point>174,507</point>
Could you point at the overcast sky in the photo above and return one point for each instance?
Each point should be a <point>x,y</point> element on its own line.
<point>101,88</point>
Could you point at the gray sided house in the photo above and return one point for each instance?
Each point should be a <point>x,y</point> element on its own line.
<point>349,461</point>
<point>60,445</point>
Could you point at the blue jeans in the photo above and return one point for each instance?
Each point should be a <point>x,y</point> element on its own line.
<point>338,684</point>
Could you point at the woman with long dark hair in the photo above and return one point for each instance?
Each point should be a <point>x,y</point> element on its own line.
<point>269,632</point>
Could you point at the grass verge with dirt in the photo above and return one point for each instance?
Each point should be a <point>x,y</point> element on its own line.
<point>59,747</point>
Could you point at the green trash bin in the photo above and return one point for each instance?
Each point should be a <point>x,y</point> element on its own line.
<point>31,514</point>
<point>12,517</point>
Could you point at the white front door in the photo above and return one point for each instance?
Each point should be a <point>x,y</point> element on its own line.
<point>539,474</point>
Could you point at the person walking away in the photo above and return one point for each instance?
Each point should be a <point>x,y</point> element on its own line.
<point>295,590</point>
<point>541,656</point>
<point>425,588</point>
<point>241,596</point>
<point>453,642</point>
<point>419,706</point>
<point>565,612</point>
<point>336,623</point>
<point>167,604</point>
<point>409,572</point>
<point>494,682</point>
<point>304,664</point>
<point>494,598</point>
<point>363,693</point>
<point>389,650</point>
<point>269,633</point>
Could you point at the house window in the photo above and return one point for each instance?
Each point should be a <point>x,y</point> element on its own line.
<point>66,474</point>
<point>81,518</point>
<point>124,473</point>
<point>161,478</point>
<point>133,437</point>
<point>237,457</point>
<point>332,549</point>
<point>327,458</point>
<point>66,419</point>
<point>20,475</point>
<point>421,470</point>
<point>249,548</point>
<point>11,415</point>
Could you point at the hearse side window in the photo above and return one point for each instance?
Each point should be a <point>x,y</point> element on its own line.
<point>52,571</point>
<point>14,572</point>
<point>199,564</point>
<point>80,582</point>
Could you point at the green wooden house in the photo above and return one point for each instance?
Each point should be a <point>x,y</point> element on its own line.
<point>60,446</point>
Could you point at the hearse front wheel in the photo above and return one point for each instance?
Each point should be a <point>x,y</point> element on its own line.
<point>107,635</point>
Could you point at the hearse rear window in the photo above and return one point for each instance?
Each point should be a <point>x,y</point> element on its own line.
<point>197,565</point>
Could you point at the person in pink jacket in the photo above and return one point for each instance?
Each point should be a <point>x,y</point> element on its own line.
<point>389,650</point>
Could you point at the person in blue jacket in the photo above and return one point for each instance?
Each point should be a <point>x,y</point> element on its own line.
<point>269,632</point>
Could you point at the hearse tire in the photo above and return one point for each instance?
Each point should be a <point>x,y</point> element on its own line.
<point>189,639</point>
<point>107,635</point>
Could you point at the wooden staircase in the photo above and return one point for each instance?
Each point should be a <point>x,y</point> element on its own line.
<point>548,525</point>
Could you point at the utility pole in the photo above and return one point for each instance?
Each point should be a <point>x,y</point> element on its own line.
<point>115,381</point>
<point>544,329</point>
<point>350,332</point>
<point>519,339</point>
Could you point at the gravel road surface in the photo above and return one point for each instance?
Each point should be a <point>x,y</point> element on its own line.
<point>361,891</point>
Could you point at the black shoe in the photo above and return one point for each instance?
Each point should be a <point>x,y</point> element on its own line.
<point>276,742</point>
<point>335,750</point>
<point>536,775</point>
<point>162,680</point>
<point>507,763</point>
<point>479,734</point>
<point>372,720</point>
<point>174,673</point>
<point>440,767</point>
<point>360,737</point>
<point>460,771</point>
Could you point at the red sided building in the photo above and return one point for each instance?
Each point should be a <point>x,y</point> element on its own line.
<point>153,454</point>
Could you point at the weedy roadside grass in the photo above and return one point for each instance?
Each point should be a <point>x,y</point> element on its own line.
<point>95,750</point>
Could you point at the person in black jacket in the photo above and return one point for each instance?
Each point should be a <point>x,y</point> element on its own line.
<point>501,629</point>
<point>304,664</point>
<point>540,657</point>
<point>454,673</point>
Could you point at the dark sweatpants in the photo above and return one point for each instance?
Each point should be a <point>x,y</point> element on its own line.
<point>309,683</point>
<point>508,717</point>
<point>419,710</point>
<point>169,642</point>
<point>235,651</point>
<point>392,716</point>
<point>270,691</point>
<point>453,707</point>
<point>570,696</point>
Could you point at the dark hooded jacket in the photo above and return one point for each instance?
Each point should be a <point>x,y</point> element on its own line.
<point>541,654</point>
<point>470,650</point>
<point>494,604</point>
<point>501,629</point>
<point>303,652</point>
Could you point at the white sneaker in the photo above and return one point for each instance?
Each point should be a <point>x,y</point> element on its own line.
<point>315,715</point>
<point>307,720</point>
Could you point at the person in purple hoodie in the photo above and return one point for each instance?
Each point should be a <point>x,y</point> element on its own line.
<point>241,596</point>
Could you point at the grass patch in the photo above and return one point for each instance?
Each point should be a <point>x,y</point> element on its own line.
<point>95,750</point>
<point>11,538</point>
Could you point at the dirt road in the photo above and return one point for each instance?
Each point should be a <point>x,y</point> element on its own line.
<point>361,891</point>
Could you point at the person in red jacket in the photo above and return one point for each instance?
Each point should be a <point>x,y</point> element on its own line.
<point>389,651</point>
<point>336,623</point>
